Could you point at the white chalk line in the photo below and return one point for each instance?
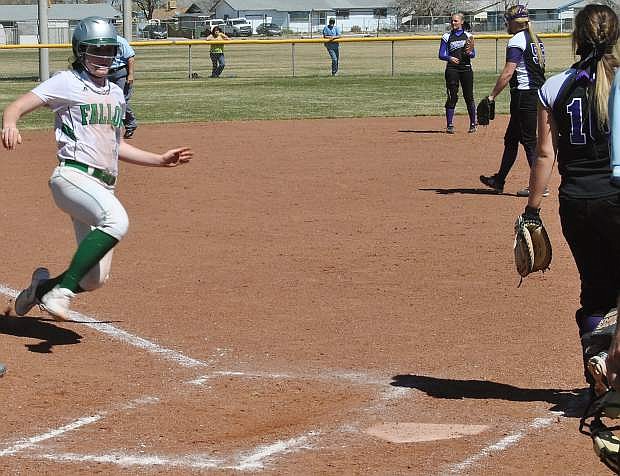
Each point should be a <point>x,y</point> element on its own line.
<point>250,461</point>
<point>501,445</point>
<point>245,461</point>
<point>125,336</point>
<point>187,361</point>
<point>357,378</point>
<point>27,443</point>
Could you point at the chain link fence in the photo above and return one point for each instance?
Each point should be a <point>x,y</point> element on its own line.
<point>492,24</point>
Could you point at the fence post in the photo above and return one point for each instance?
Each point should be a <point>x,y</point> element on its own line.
<point>293,57</point>
<point>393,57</point>
<point>189,61</point>
<point>496,45</point>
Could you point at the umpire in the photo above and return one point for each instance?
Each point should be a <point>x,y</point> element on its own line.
<point>457,50</point>
<point>122,73</point>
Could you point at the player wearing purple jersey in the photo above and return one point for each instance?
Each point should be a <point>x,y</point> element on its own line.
<point>573,128</point>
<point>524,71</point>
<point>457,50</point>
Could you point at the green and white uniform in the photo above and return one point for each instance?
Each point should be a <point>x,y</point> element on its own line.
<point>88,125</point>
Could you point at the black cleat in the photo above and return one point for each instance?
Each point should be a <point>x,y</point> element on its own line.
<point>492,182</point>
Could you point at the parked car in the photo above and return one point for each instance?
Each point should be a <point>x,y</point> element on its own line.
<point>269,29</point>
<point>209,24</point>
<point>155,32</point>
<point>237,27</point>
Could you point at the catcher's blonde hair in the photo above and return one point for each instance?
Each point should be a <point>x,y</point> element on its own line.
<point>596,36</point>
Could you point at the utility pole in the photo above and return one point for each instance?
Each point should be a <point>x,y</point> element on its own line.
<point>44,55</point>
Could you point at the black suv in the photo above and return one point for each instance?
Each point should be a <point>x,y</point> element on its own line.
<point>155,32</point>
<point>269,29</point>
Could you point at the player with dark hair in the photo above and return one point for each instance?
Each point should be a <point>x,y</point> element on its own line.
<point>573,123</point>
<point>457,50</point>
<point>89,112</point>
<point>525,72</point>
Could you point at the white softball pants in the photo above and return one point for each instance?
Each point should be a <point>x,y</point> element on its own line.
<point>90,204</point>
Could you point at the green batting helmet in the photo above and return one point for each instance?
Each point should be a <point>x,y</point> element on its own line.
<point>95,31</point>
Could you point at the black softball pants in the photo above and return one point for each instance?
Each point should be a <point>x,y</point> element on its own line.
<point>522,128</point>
<point>592,229</point>
<point>465,77</point>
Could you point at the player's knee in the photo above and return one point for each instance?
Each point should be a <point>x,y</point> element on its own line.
<point>116,224</point>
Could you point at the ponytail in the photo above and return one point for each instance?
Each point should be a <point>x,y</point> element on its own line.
<point>605,71</point>
<point>539,52</point>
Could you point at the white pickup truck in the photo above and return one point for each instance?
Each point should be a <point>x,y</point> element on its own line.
<point>237,27</point>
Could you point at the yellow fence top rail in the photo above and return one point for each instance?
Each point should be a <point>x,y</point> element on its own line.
<point>352,39</point>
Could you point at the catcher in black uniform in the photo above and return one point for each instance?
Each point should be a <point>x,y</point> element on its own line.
<point>457,50</point>
<point>573,121</point>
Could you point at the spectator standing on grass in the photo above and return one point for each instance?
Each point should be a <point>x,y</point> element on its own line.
<point>122,74</point>
<point>457,50</point>
<point>217,51</point>
<point>332,32</point>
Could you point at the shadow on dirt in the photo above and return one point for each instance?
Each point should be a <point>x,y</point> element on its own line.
<point>37,328</point>
<point>467,191</point>
<point>424,131</point>
<point>571,402</point>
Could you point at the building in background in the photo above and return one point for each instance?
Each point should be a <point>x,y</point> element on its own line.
<point>303,16</point>
<point>20,22</point>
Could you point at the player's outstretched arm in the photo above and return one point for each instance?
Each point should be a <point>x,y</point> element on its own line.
<point>13,112</point>
<point>170,158</point>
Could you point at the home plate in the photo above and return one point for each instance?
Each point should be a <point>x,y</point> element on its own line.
<point>418,432</point>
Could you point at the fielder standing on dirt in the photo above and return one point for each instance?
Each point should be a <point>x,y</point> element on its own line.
<point>457,50</point>
<point>89,112</point>
<point>525,72</point>
<point>573,121</point>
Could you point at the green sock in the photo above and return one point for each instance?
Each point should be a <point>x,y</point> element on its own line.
<point>90,251</point>
<point>48,285</point>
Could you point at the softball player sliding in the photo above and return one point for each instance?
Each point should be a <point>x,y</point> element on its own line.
<point>573,121</point>
<point>89,113</point>
<point>457,50</point>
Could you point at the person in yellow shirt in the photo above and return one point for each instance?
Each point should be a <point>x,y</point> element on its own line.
<point>217,52</point>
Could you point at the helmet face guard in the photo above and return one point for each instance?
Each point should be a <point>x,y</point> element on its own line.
<point>94,45</point>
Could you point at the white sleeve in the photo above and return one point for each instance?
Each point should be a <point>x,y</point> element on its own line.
<point>53,92</point>
<point>614,125</point>
<point>549,91</point>
<point>517,41</point>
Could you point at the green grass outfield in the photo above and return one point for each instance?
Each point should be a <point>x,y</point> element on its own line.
<point>258,82</point>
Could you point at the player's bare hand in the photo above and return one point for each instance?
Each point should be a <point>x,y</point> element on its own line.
<point>175,157</point>
<point>454,60</point>
<point>11,137</point>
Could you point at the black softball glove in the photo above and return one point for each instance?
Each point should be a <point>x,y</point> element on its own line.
<point>485,111</point>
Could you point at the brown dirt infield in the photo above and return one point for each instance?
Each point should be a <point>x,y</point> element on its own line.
<point>300,283</point>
